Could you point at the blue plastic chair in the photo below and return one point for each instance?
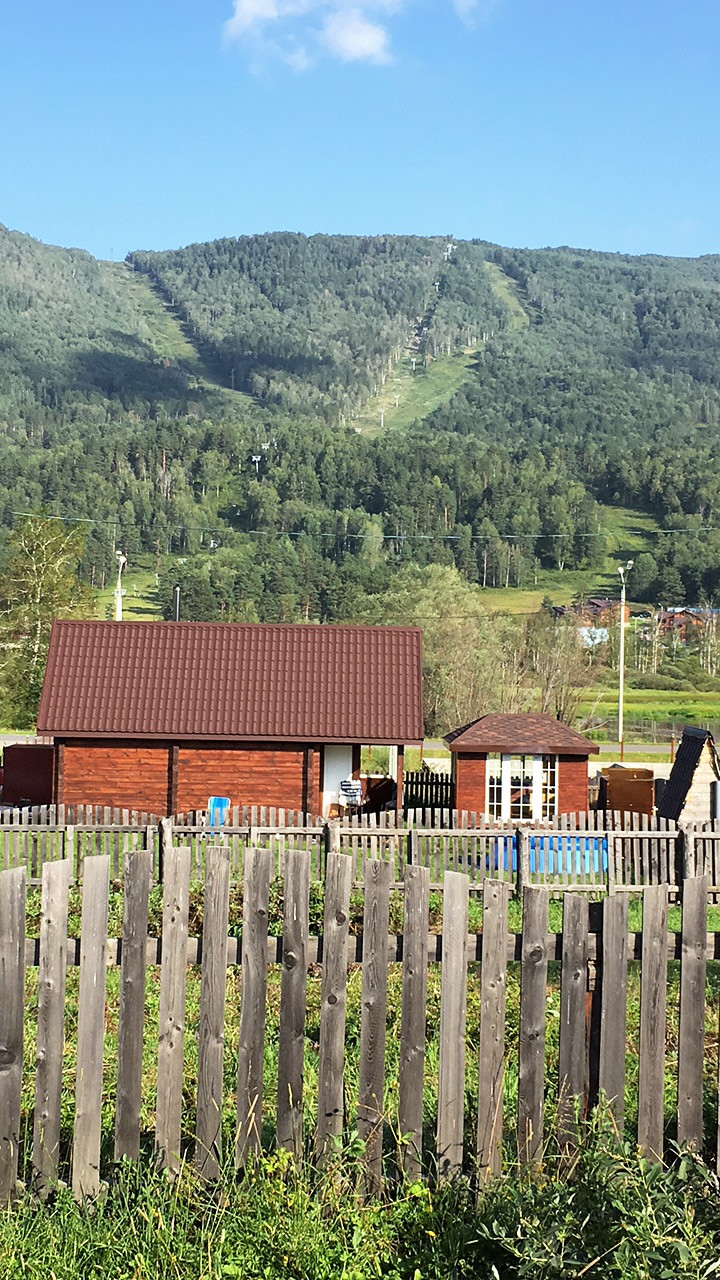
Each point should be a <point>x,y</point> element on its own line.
<point>218,809</point>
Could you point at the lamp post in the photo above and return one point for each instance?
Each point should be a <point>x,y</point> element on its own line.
<point>621,681</point>
<point>119,593</point>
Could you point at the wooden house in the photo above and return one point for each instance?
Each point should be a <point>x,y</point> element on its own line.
<point>520,767</point>
<point>159,716</point>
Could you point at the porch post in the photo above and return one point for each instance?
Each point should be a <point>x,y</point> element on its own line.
<point>399,779</point>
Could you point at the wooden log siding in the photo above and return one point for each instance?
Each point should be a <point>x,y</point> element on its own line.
<point>338,1104</point>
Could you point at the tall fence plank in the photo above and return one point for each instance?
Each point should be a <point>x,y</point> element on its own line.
<point>171,1041</point>
<point>211,1036</point>
<point>613,1018</point>
<point>572,1082</point>
<point>50,1023</point>
<point>12,1009</point>
<point>371,1086</point>
<point>653,1006</point>
<point>293,1000</point>
<point>256,891</point>
<point>412,1023</point>
<point>492,1027</point>
<point>91,1027</point>
<point>137,874</point>
<point>533,1003</point>
<point>333,1003</point>
<point>691,1048</point>
<point>451,1076</point>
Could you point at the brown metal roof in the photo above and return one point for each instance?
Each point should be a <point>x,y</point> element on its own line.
<point>232,680</point>
<point>520,735</point>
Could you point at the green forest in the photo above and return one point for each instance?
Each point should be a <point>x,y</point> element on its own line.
<point>211,404</point>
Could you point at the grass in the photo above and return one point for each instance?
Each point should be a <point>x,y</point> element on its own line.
<point>616,1217</point>
<point>418,392</point>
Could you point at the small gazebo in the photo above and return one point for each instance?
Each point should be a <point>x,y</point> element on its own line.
<point>519,767</point>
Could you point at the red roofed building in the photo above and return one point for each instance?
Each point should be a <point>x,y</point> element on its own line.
<point>159,716</point>
<point>520,767</point>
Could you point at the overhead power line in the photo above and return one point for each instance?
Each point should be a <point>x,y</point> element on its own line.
<point>388,537</point>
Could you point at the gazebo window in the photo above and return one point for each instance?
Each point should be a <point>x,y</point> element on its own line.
<point>521,788</point>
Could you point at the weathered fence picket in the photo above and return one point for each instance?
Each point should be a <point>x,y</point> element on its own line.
<point>252,1008</point>
<point>51,1022</point>
<point>90,1029</point>
<point>176,905</point>
<point>211,1035</point>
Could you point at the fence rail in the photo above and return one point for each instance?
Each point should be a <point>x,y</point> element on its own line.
<point>594,950</point>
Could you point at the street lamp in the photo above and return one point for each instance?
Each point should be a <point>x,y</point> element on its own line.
<point>621,682</point>
<point>119,593</point>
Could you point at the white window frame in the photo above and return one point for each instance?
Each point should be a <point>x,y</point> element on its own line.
<point>506,769</point>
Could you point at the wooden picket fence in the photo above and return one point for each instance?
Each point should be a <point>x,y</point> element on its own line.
<point>583,851</point>
<point>592,1046</point>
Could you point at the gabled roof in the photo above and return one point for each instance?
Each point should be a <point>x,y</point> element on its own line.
<point>675,793</point>
<point>183,680</point>
<point>520,734</point>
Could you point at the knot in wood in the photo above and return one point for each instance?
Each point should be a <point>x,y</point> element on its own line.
<point>290,959</point>
<point>340,917</point>
<point>7,1057</point>
<point>536,954</point>
<point>332,998</point>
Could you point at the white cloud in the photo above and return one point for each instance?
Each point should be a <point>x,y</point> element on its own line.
<point>348,35</point>
<point>299,31</point>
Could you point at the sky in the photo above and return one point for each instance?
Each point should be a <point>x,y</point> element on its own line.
<point>156,123</point>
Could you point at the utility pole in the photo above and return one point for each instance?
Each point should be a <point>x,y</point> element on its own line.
<point>621,661</point>
<point>118,592</point>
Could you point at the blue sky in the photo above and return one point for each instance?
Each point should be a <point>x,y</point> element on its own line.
<point>154,123</point>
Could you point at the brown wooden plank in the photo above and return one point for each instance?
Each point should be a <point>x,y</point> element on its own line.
<point>56,879</point>
<point>533,999</point>
<point>371,1084</point>
<point>256,884</point>
<point>412,1024</point>
<point>613,1028</point>
<point>168,1117</point>
<point>691,1048</point>
<point>333,1003</point>
<point>211,1035</point>
<point>653,1004</point>
<point>293,999</point>
<point>137,876</point>
<point>492,1028</point>
<point>451,1075</point>
<point>91,1027</point>
<point>572,1082</point>
<point>12,1009</point>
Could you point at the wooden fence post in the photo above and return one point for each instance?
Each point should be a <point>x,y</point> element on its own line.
<point>137,874</point>
<point>331,841</point>
<point>492,1028</point>
<point>691,1048</point>
<point>371,1084</point>
<point>12,1009</point>
<point>412,1025</point>
<point>613,1018</point>
<point>333,1003</point>
<point>165,844</point>
<point>56,878</point>
<point>522,847</point>
<point>211,1037</point>
<point>573,1056</point>
<point>173,984</point>
<point>90,1027</point>
<point>533,1001</point>
<point>256,892</point>
<point>293,1000</point>
<point>451,1075</point>
<point>653,1006</point>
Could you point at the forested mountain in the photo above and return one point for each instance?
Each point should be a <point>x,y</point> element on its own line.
<point>202,401</point>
